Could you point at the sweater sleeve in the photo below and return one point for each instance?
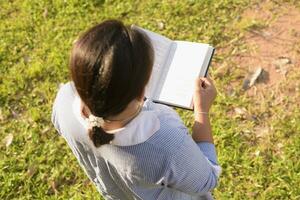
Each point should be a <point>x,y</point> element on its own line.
<point>61,108</point>
<point>209,151</point>
<point>193,168</point>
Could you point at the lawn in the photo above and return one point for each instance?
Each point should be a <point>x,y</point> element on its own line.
<point>257,136</point>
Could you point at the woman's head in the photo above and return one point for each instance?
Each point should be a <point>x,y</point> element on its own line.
<point>110,65</point>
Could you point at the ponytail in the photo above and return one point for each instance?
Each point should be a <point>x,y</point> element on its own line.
<point>99,136</point>
<point>110,65</point>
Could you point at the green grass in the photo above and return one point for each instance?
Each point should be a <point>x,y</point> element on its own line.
<point>35,40</point>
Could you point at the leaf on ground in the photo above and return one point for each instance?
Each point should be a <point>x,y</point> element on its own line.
<point>252,78</point>
<point>282,65</point>
<point>27,59</point>
<point>222,70</point>
<point>86,182</point>
<point>241,112</point>
<point>160,25</point>
<point>262,132</point>
<point>8,140</point>
<point>280,145</point>
<point>45,13</point>
<point>14,114</point>
<point>31,171</point>
<point>255,76</point>
<point>54,186</point>
<point>282,61</point>
<point>279,149</point>
<point>1,116</point>
<point>45,130</point>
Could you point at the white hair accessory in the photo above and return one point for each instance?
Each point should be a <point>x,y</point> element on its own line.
<point>95,121</point>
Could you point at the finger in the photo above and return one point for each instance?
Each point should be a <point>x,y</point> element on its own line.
<point>207,81</point>
<point>198,82</point>
<point>203,85</point>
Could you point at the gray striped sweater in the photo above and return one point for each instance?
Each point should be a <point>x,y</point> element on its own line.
<point>152,157</point>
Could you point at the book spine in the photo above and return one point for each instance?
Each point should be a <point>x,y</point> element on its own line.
<point>212,54</point>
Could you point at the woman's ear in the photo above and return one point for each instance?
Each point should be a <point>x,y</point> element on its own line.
<point>142,96</point>
<point>85,111</point>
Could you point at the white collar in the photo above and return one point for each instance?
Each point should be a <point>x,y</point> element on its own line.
<point>142,127</point>
<point>138,130</point>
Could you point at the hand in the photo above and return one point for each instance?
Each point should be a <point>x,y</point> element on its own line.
<point>204,94</point>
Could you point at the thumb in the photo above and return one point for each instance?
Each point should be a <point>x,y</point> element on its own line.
<point>198,83</point>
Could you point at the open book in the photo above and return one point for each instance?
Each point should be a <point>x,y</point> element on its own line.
<point>176,66</point>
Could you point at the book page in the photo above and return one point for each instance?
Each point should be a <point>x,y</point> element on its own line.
<point>164,71</point>
<point>161,46</point>
<point>188,61</point>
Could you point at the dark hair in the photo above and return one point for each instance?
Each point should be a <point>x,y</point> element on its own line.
<point>110,65</point>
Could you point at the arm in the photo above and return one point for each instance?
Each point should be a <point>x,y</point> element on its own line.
<point>202,129</point>
<point>189,170</point>
<point>194,168</point>
<point>204,95</point>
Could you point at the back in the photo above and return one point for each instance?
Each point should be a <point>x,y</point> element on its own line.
<point>153,157</point>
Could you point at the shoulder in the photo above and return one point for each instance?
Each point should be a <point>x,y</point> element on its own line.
<point>66,114</point>
<point>66,92</point>
<point>64,98</point>
<point>157,125</point>
<point>167,115</point>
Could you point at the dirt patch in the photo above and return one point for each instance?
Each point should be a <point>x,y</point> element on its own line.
<point>271,42</point>
<point>266,47</point>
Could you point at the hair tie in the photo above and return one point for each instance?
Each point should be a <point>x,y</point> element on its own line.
<point>95,121</point>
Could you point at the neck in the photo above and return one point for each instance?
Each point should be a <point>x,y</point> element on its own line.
<point>120,120</point>
<point>130,111</point>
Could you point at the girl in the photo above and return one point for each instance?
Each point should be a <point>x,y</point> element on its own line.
<point>129,147</point>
